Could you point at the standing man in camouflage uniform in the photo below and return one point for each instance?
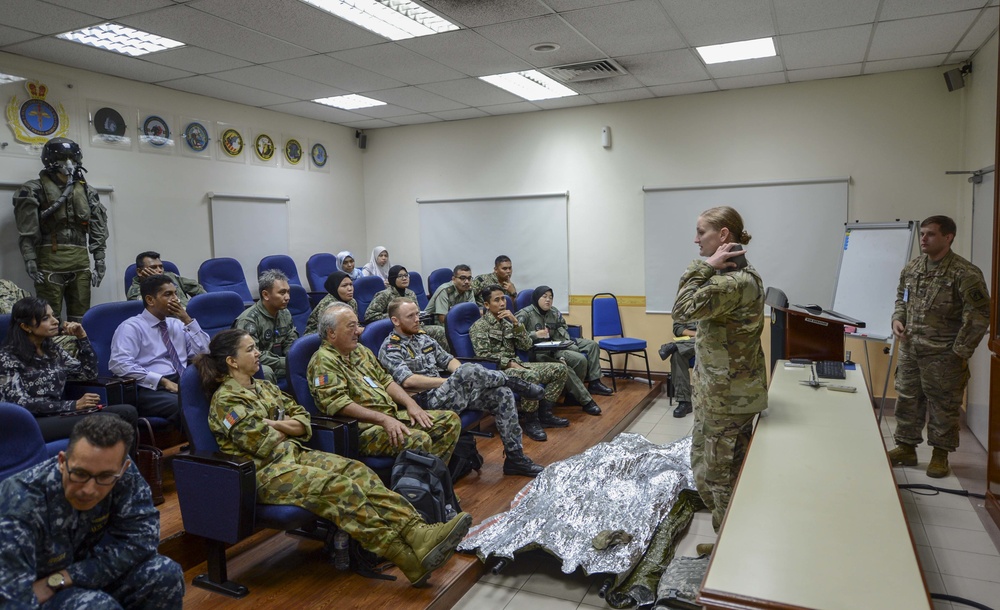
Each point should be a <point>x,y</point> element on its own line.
<point>680,353</point>
<point>148,264</point>
<point>497,335</point>
<point>730,378</point>
<point>58,236</point>
<point>346,378</point>
<point>942,312</point>
<point>10,293</point>
<point>502,270</point>
<point>270,324</point>
<point>79,530</point>
<point>415,361</point>
<point>451,293</point>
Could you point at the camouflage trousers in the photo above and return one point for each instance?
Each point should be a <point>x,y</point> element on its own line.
<point>680,370</point>
<point>552,375</point>
<point>65,276</point>
<point>340,490</point>
<point>475,387</point>
<point>718,447</point>
<point>156,584</point>
<point>584,364</point>
<point>439,439</point>
<point>931,388</point>
<point>437,332</point>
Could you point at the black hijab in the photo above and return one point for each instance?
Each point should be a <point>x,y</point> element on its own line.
<point>537,294</point>
<point>333,282</point>
<point>394,272</point>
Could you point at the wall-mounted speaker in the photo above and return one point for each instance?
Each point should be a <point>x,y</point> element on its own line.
<point>362,138</point>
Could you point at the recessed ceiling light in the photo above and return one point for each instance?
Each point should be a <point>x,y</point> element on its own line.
<point>394,19</point>
<point>349,102</point>
<point>120,39</point>
<point>9,78</point>
<point>545,47</point>
<point>530,84</point>
<point>737,51</point>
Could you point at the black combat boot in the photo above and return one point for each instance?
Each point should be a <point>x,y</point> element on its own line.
<point>533,428</point>
<point>591,408</point>
<point>596,387</point>
<point>547,418</point>
<point>516,463</point>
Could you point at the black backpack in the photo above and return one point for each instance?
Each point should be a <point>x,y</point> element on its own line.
<point>425,482</point>
<point>466,457</point>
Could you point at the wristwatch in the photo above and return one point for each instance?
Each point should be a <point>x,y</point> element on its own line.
<point>56,582</point>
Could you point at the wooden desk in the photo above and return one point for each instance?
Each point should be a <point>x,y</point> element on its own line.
<point>816,520</point>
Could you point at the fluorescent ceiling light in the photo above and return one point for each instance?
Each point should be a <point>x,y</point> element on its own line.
<point>120,39</point>
<point>9,78</point>
<point>530,84</point>
<point>394,19</point>
<point>349,102</point>
<point>737,51</point>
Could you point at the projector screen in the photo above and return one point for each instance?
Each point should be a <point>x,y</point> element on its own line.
<point>236,222</point>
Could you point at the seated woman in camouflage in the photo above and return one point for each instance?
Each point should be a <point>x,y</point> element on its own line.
<point>251,418</point>
<point>340,287</point>
<point>399,286</point>
<point>33,369</point>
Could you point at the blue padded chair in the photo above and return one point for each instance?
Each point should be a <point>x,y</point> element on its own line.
<point>21,444</point>
<point>417,286</point>
<point>283,263</point>
<point>606,321</point>
<point>375,333</point>
<point>318,268</point>
<point>436,278</point>
<point>365,289</point>
<point>4,325</point>
<point>218,274</point>
<point>523,299</point>
<point>130,272</point>
<point>457,323</point>
<point>217,492</point>
<point>215,311</point>
<point>300,307</point>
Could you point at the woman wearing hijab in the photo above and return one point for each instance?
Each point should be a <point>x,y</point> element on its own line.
<point>399,282</point>
<point>345,263</point>
<point>340,287</point>
<point>378,265</point>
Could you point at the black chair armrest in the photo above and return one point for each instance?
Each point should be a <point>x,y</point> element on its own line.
<point>217,494</point>
<point>347,442</point>
<point>575,331</point>
<point>329,436</point>
<point>112,390</point>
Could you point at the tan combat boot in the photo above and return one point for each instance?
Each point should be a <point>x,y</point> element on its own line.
<point>704,548</point>
<point>402,555</point>
<point>903,455</point>
<point>435,544</point>
<point>938,468</point>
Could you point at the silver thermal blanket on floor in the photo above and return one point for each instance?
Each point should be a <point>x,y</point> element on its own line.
<point>627,484</point>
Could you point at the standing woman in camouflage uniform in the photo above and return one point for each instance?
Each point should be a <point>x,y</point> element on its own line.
<point>729,379</point>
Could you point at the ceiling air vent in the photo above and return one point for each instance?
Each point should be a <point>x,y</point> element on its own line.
<point>588,70</point>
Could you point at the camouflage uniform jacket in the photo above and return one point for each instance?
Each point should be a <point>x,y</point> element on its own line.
<point>273,334</point>
<point>484,280</point>
<point>41,533</point>
<point>38,385</point>
<point>498,339</point>
<point>378,309</point>
<point>418,354</point>
<point>313,324</point>
<point>534,319</point>
<point>446,297</point>
<point>237,421</point>
<point>81,221</point>
<point>10,293</point>
<point>336,381</point>
<point>944,309</point>
<point>730,375</point>
<point>186,288</point>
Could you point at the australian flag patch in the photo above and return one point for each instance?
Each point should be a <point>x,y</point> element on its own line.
<point>321,380</point>
<point>231,419</point>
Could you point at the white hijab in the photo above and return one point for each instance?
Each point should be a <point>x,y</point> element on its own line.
<point>340,264</point>
<point>373,268</point>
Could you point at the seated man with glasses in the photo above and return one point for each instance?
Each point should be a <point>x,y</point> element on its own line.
<point>449,294</point>
<point>79,530</point>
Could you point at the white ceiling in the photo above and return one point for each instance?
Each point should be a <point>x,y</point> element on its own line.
<point>280,54</point>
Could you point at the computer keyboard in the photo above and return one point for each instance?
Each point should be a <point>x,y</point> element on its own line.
<point>830,369</point>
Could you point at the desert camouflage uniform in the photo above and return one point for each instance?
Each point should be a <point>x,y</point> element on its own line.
<point>946,311</point>
<point>109,551</point>
<point>186,288</point>
<point>379,310</point>
<point>680,362</point>
<point>336,488</point>
<point>482,281</point>
<point>729,378</point>
<point>10,293</point>
<point>61,244</point>
<point>312,325</point>
<point>273,335</point>
<point>446,297</point>
<point>498,339</point>
<point>471,386</point>
<point>336,381</point>
<point>583,357</point>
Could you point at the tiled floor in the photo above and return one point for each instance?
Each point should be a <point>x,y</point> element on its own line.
<point>958,555</point>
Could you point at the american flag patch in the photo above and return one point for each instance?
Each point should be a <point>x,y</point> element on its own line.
<point>231,419</point>
<point>321,380</point>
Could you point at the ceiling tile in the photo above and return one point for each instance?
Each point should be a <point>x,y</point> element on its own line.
<point>282,83</point>
<point>628,28</point>
<point>664,68</point>
<point>383,112</point>
<point>241,94</point>
<point>312,110</point>
<point>416,99</point>
<point>824,72</point>
<point>400,63</point>
<point>518,37</point>
<point>615,83</point>
<point>625,95</point>
<point>461,114</point>
<point>88,58</point>
<point>903,9</point>
<point>369,124</point>
<point>564,102</point>
<point>512,108</point>
<point>958,57</point>
<point>746,67</point>
<point>919,36</point>
<point>12,35</point>
<point>195,59</point>
<point>702,86</point>
<point>330,71</point>
<point>471,92</point>
<point>809,15</point>
<point>571,5</point>
<point>43,18</point>
<point>905,63</point>
<point>415,119</point>
<point>467,52</point>
<point>112,9</point>
<point>825,48</point>
<point>474,14</point>
<point>754,80</point>
<point>981,30</point>
<point>720,21</point>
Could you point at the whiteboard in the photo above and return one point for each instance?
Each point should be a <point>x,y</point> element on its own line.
<point>533,230</point>
<point>248,229</point>
<point>796,229</point>
<point>872,256</point>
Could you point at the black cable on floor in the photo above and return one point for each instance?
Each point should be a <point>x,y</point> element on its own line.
<point>911,487</point>
<point>959,600</point>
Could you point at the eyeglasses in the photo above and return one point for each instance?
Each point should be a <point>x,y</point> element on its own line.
<point>105,478</point>
<point>402,276</point>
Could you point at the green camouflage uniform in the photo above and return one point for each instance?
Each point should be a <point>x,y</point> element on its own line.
<point>498,339</point>
<point>273,335</point>
<point>482,281</point>
<point>10,293</point>
<point>186,288</point>
<point>337,381</point>
<point>446,297</point>
<point>341,490</point>
<point>680,362</point>
<point>379,310</point>
<point>62,244</point>
<point>583,357</point>
<point>312,325</point>
<point>730,376</point>
<point>946,311</point>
